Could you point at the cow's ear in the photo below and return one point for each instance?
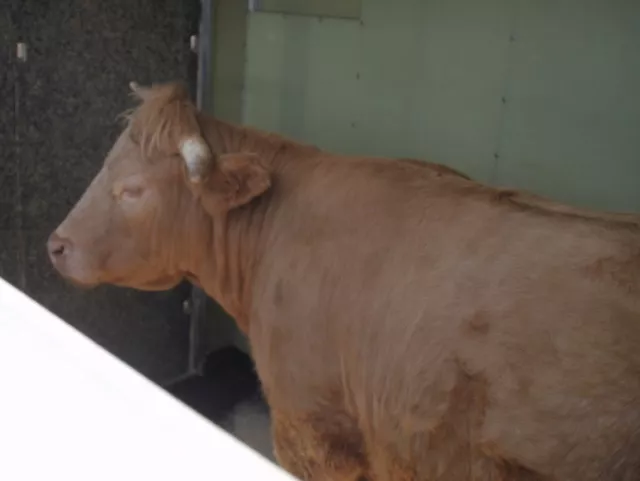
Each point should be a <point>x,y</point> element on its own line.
<point>235,180</point>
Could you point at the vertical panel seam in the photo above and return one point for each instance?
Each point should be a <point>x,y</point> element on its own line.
<point>504,94</point>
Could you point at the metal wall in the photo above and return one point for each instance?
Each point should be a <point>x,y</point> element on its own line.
<point>58,114</point>
<point>537,94</point>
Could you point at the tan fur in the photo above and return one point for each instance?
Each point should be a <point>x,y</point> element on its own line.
<point>407,323</point>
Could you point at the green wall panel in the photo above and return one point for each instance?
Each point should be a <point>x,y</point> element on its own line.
<point>288,86</point>
<point>572,122</point>
<point>537,94</point>
<point>386,85</point>
<point>228,58</point>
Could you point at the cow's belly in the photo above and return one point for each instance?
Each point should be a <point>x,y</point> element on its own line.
<point>452,408</point>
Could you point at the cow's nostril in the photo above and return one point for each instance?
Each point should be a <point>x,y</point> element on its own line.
<point>57,246</point>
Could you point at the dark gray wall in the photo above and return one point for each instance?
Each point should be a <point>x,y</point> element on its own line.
<point>57,121</point>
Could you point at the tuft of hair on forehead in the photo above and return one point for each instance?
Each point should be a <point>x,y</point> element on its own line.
<point>165,116</point>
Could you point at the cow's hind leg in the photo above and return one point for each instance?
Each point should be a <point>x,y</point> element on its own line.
<point>319,446</point>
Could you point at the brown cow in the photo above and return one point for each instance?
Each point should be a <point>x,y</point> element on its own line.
<point>407,323</point>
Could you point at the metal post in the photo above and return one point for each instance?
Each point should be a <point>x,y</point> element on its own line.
<point>204,43</point>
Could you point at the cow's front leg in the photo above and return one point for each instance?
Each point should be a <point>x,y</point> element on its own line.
<point>319,447</point>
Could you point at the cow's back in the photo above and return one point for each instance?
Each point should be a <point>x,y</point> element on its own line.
<point>448,321</point>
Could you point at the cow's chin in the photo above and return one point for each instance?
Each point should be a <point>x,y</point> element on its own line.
<point>163,283</point>
<point>79,278</point>
<point>80,284</point>
<point>90,278</point>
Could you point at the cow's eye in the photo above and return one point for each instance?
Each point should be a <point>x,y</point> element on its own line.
<point>131,193</point>
<point>129,190</point>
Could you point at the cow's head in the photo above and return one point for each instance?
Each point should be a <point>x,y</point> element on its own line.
<point>145,215</point>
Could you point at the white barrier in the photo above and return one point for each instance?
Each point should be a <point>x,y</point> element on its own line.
<point>71,411</point>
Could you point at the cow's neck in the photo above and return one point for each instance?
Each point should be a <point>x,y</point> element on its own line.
<point>233,240</point>
<point>224,268</point>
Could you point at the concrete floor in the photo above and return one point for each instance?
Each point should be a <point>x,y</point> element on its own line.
<point>228,393</point>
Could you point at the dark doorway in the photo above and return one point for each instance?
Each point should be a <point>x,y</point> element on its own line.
<point>60,99</point>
